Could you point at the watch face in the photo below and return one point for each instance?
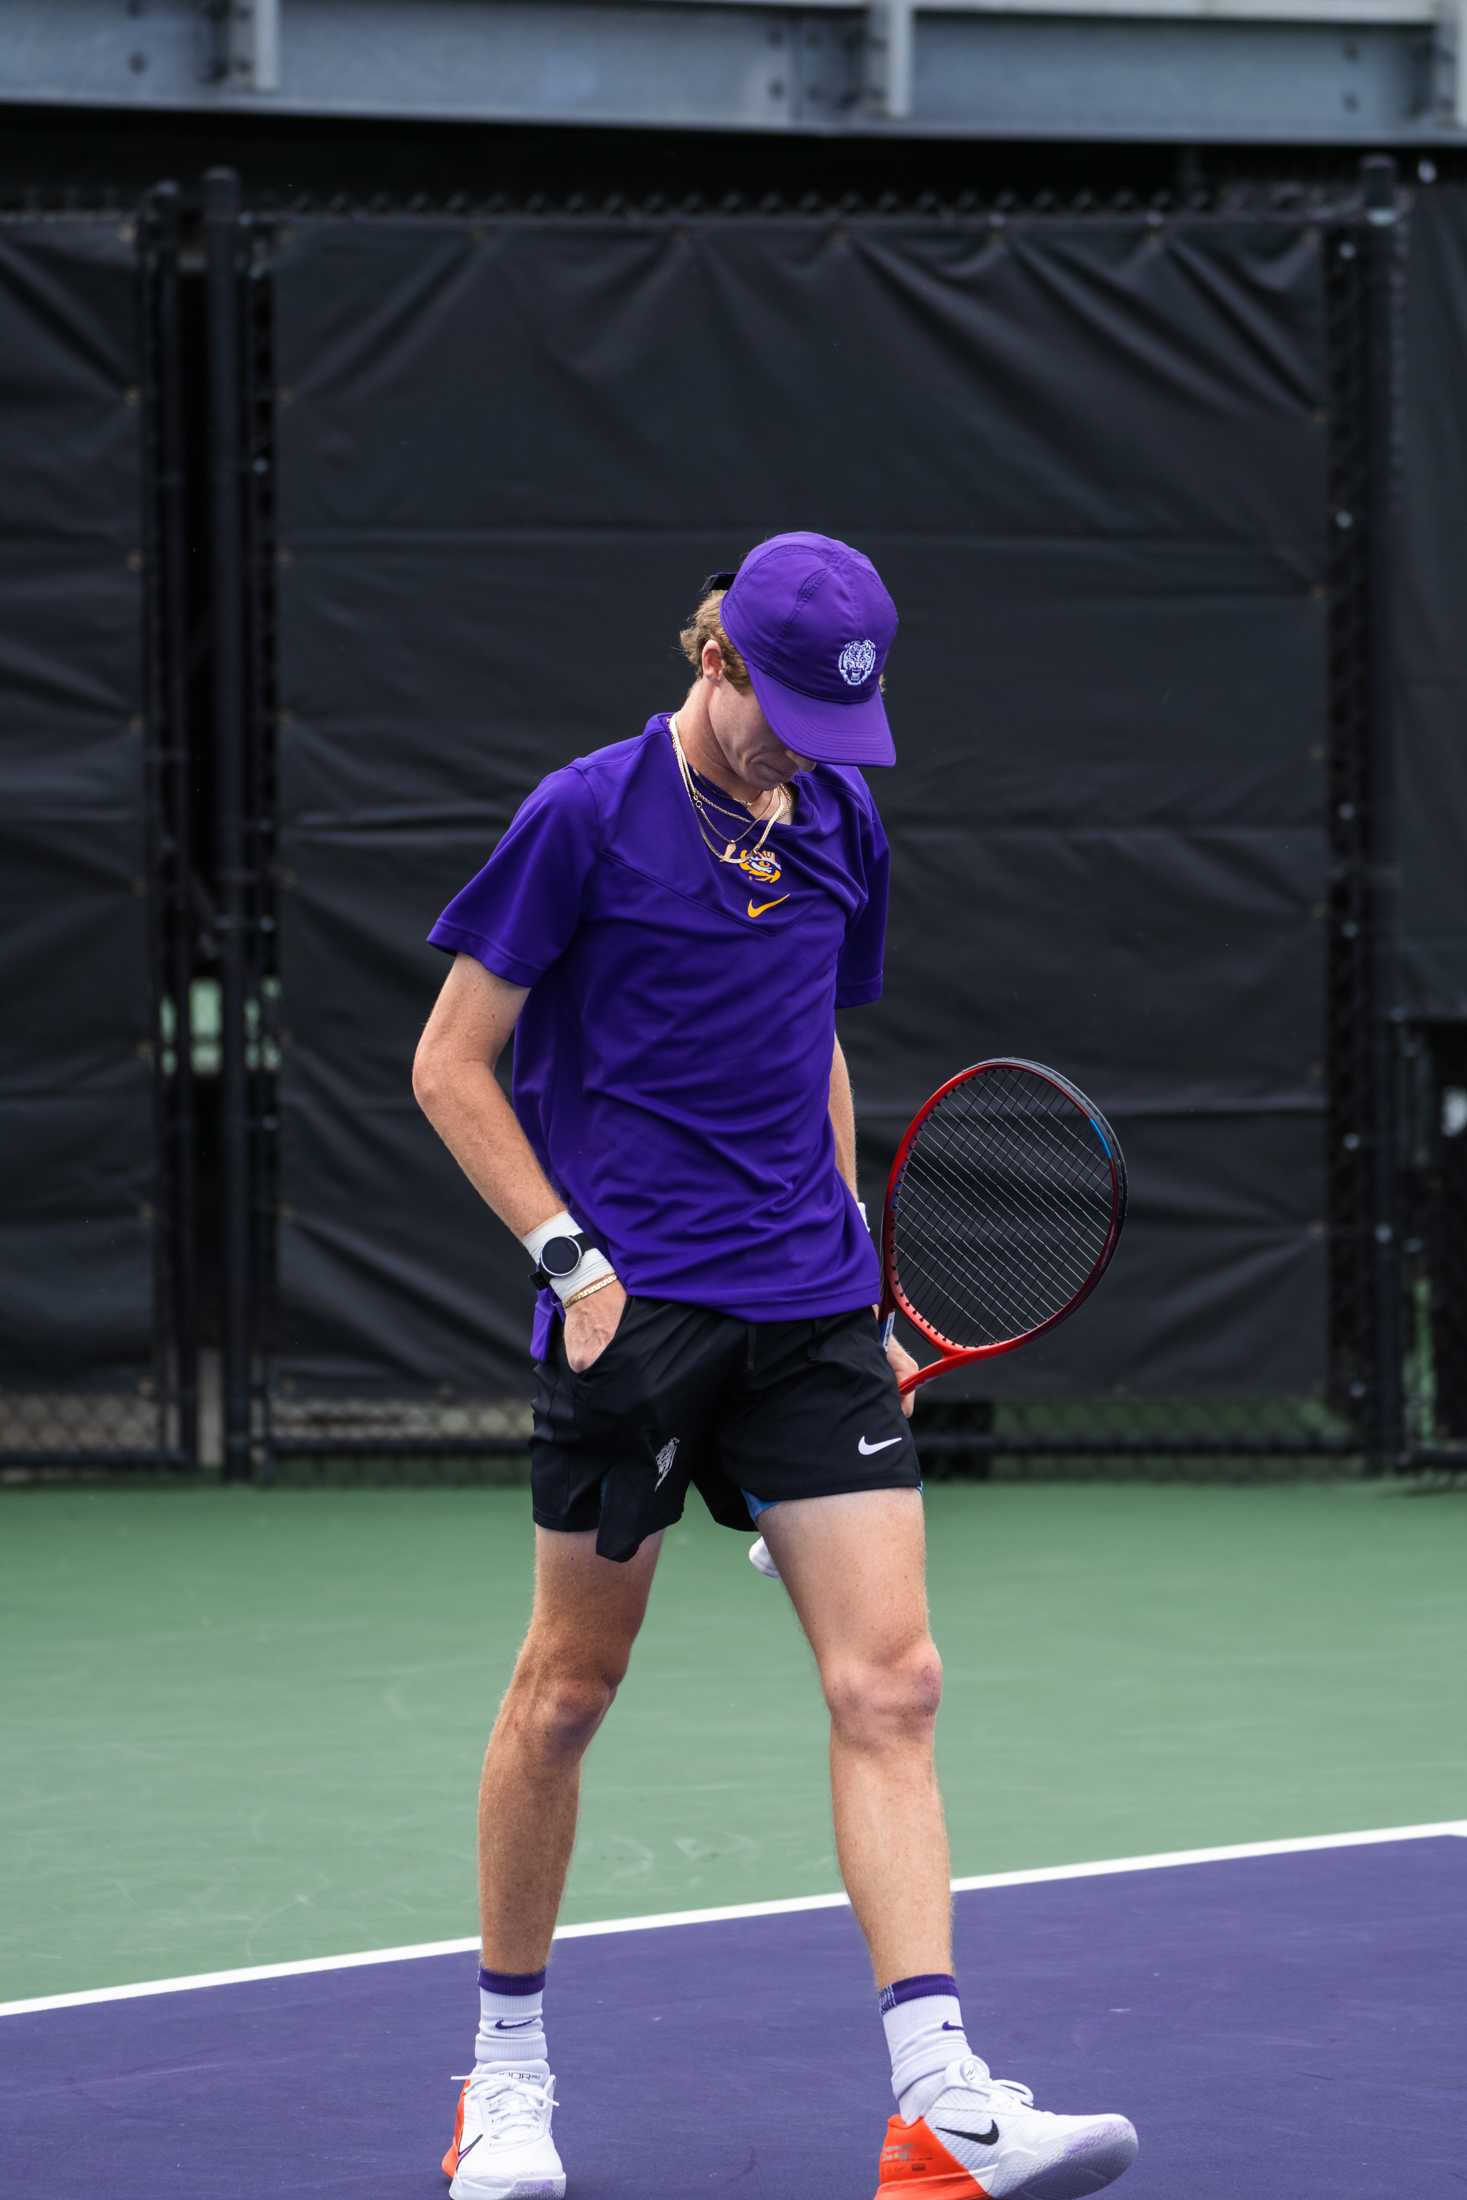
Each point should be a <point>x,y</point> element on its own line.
<point>560,1256</point>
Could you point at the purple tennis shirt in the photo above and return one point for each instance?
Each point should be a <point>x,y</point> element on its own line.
<point>672,1061</point>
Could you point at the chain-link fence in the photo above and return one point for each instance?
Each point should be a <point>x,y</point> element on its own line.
<point>205,378</point>
<point>99,1369</point>
<point>1337,1429</point>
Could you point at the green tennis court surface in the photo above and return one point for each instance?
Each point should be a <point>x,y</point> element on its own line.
<point>245,1726</point>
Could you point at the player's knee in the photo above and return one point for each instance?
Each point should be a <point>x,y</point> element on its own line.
<point>560,1706</point>
<point>875,1700</point>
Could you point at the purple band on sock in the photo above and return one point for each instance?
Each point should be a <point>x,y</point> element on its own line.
<point>511,1982</point>
<point>916,1989</point>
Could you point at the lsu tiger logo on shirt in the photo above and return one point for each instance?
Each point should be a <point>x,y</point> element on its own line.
<point>760,865</point>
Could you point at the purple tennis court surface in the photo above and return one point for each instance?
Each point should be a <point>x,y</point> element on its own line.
<point>1278,2028</point>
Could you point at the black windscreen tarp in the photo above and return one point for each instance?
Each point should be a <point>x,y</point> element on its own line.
<point>1089,460</point>
<point>78,1142</point>
<point>1430,616</point>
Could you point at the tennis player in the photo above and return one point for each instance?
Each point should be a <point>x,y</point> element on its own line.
<point>668,928</point>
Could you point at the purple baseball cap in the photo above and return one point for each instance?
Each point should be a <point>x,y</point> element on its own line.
<point>813,622</point>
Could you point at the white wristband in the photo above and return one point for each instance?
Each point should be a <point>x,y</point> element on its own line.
<point>592,1264</point>
<point>563,1224</point>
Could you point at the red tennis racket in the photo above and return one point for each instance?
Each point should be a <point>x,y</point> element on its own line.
<point>1003,1210</point>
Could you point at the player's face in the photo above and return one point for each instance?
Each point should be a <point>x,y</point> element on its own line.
<point>749,743</point>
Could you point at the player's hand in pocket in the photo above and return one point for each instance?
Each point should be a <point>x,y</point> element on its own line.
<point>591,1325</point>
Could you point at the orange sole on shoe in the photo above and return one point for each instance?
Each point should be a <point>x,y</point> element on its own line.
<point>916,2165</point>
<point>450,2159</point>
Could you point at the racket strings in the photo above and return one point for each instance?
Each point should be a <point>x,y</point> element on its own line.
<point>1030,1280</point>
<point>1001,1274</point>
<point>1010,1228</point>
<point>1004,1207</point>
<point>997,1276</point>
<point>1020,1188</point>
<point>1025,1199</point>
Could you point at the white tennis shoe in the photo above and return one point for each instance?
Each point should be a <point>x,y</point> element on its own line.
<point>761,1558</point>
<point>501,2147</point>
<point>983,2139</point>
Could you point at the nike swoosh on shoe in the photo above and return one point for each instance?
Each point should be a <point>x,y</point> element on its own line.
<point>988,2138</point>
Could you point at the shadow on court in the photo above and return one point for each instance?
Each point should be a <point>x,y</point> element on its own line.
<point>1278,2028</point>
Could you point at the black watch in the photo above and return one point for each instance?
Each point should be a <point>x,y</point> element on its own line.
<point>560,1257</point>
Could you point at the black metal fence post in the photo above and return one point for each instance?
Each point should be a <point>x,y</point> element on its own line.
<point>226,460</point>
<point>1379,181</point>
<point>177,811</point>
<point>262,564</point>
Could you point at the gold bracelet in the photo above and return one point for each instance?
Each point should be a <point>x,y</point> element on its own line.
<point>587,1289</point>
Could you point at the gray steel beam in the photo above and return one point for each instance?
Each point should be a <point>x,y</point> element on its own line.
<point>1188,71</point>
<point>1211,81</point>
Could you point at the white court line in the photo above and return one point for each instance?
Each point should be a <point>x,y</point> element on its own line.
<point>795,1903</point>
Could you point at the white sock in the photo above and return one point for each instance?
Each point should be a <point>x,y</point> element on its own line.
<point>511,2019</point>
<point>923,2022</point>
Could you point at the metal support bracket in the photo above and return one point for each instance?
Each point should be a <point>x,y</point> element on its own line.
<point>1449,63</point>
<point>252,45</point>
<point>887,58</point>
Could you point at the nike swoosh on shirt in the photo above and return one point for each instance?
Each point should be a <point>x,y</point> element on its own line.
<point>753,912</point>
<point>886,1443</point>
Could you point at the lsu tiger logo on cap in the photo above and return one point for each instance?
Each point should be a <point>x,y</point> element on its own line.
<point>857,662</point>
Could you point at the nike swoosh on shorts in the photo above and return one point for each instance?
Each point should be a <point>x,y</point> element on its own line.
<point>886,1443</point>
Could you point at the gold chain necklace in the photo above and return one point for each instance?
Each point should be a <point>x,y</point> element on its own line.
<point>703,810</point>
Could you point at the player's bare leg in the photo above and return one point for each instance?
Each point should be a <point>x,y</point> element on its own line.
<point>586,1615</point>
<point>855,1570</point>
<point>585,1619</point>
<point>854,1567</point>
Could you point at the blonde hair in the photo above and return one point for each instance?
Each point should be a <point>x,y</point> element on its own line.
<point>706,626</point>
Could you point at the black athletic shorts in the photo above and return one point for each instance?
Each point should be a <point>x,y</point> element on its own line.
<point>746,1413</point>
